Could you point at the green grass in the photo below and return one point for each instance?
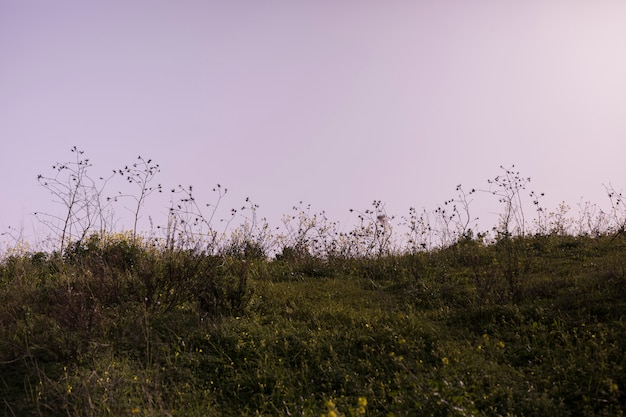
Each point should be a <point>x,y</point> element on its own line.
<point>524,327</point>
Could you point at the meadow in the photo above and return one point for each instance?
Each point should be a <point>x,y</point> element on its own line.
<point>117,324</point>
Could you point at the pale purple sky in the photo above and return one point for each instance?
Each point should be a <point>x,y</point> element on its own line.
<point>335,103</point>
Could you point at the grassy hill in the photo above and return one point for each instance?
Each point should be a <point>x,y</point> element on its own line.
<point>113,327</point>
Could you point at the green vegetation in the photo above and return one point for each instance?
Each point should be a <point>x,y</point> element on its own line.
<point>189,321</point>
<point>116,327</point>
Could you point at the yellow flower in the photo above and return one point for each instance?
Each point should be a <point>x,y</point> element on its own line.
<point>445,361</point>
<point>135,410</point>
<point>361,404</point>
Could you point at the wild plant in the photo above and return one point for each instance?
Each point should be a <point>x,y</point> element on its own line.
<point>16,243</point>
<point>190,226</point>
<point>86,209</point>
<point>307,233</point>
<point>453,219</point>
<point>297,227</point>
<point>374,231</point>
<point>250,239</point>
<point>592,220</point>
<point>181,326</point>
<point>556,222</point>
<point>508,188</point>
<point>455,227</point>
<point>81,198</point>
<point>420,230</point>
<point>140,174</point>
<point>443,226</point>
<point>618,210</point>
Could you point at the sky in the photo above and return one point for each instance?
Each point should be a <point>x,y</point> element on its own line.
<point>333,103</point>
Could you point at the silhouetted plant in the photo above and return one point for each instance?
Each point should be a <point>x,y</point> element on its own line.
<point>508,189</point>
<point>81,197</point>
<point>420,230</point>
<point>374,232</point>
<point>252,238</point>
<point>559,222</point>
<point>141,174</point>
<point>189,226</point>
<point>592,220</point>
<point>453,218</point>
<point>511,230</point>
<point>87,210</point>
<point>311,234</point>
<point>618,210</point>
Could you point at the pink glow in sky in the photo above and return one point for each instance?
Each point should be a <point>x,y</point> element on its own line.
<point>335,103</point>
